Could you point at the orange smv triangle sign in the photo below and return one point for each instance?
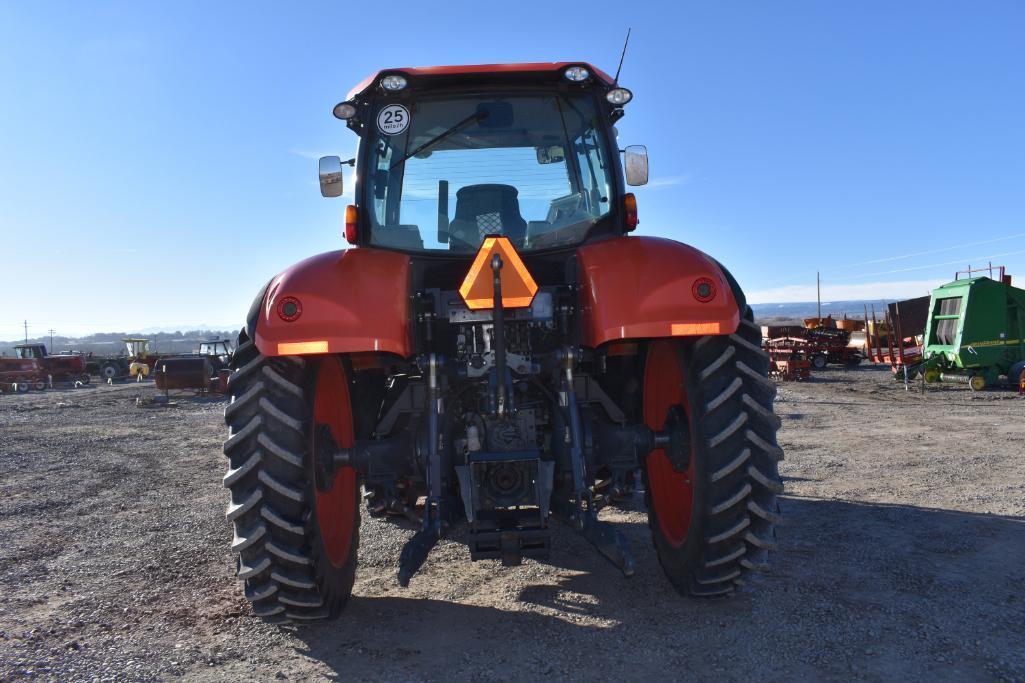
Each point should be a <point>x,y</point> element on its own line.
<point>518,287</point>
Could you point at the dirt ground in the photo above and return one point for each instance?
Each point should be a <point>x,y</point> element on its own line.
<point>902,557</point>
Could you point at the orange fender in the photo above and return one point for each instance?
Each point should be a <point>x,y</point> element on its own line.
<point>348,301</point>
<point>641,287</point>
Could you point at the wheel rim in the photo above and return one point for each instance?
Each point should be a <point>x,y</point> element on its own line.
<point>336,508</point>
<point>672,492</point>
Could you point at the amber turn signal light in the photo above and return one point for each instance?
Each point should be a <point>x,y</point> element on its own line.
<point>351,216</point>
<point>630,212</point>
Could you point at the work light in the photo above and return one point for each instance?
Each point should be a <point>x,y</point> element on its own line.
<point>344,110</point>
<point>393,82</point>
<point>577,74</point>
<point>619,96</point>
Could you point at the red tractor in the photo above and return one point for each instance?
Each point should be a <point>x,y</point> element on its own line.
<point>21,374</point>
<point>496,350</point>
<point>63,367</point>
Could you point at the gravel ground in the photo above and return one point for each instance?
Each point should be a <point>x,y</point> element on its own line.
<point>903,557</point>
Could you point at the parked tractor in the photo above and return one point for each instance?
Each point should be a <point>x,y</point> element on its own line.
<point>976,331</point>
<point>63,367</point>
<point>137,361</point>
<point>496,350</point>
<point>21,374</point>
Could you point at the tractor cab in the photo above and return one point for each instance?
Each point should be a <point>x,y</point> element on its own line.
<point>137,348</point>
<point>218,351</point>
<point>30,351</point>
<point>448,156</point>
<point>215,347</point>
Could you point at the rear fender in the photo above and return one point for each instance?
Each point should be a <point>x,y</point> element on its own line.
<point>642,287</point>
<point>356,300</point>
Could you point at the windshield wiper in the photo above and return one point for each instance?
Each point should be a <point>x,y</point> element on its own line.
<point>476,116</point>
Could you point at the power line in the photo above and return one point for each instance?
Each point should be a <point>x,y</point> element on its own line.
<point>960,261</point>
<point>925,253</point>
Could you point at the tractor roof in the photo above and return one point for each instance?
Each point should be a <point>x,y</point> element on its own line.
<point>476,70</point>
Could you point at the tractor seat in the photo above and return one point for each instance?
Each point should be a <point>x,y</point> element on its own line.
<point>487,209</point>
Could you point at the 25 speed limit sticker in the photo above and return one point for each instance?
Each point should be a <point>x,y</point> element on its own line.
<point>393,119</point>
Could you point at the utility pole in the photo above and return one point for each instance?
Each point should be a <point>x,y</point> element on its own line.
<point>26,332</point>
<point>51,340</point>
<point>818,294</point>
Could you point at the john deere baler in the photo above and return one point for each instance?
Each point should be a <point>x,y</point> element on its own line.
<point>976,332</point>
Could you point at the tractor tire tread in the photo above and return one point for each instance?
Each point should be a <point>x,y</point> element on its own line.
<point>736,428</point>
<point>271,494</point>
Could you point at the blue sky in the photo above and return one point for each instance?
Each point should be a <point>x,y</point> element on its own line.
<point>157,162</point>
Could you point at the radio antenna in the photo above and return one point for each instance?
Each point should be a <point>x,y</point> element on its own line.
<point>615,81</point>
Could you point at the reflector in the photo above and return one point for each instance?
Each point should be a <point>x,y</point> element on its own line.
<point>696,329</point>
<point>518,287</point>
<point>299,348</point>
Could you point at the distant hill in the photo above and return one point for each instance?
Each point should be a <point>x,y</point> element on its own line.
<point>109,343</point>
<point>798,311</point>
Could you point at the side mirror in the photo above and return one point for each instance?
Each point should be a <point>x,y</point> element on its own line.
<point>635,158</point>
<point>330,176</point>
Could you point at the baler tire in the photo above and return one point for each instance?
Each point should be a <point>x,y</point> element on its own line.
<point>282,556</point>
<point>819,361</point>
<point>85,378</point>
<point>23,386</point>
<point>39,385</point>
<point>734,475</point>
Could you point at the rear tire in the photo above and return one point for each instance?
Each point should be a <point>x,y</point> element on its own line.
<point>39,385</point>
<point>718,520</point>
<point>819,361</point>
<point>109,371</point>
<point>297,546</point>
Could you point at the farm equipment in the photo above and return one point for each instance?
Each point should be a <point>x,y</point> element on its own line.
<point>496,351</point>
<point>976,331</point>
<point>63,367</point>
<point>821,346</point>
<point>21,374</point>
<point>896,340</point>
<point>137,361</point>
<point>788,359</point>
<point>202,372</point>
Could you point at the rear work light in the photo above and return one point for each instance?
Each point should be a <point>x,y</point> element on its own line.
<point>344,110</point>
<point>576,74</point>
<point>619,96</point>
<point>393,82</point>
